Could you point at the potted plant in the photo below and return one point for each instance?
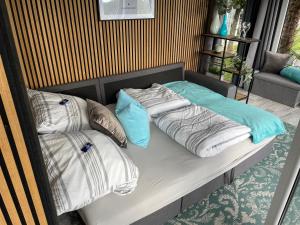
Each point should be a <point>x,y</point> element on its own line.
<point>239,6</point>
<point>246,70</point>
<point>224,6</point>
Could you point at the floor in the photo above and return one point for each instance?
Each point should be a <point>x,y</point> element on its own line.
<point>286,113</point>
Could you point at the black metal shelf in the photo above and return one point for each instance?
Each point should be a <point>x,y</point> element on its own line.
<point>236,72</point>
<point>233,38</point>
<point>220,55</point>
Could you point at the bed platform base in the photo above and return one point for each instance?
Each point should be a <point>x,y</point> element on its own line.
<point>170,211</point>
<point>104,90</point>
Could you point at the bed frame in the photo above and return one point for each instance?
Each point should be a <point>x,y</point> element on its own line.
<point>104,90</point>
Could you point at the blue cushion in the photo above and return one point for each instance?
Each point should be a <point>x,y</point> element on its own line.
<point>262,123</point>
<point>124,100</point>
<point>292,73</point>
<point>134,119</point>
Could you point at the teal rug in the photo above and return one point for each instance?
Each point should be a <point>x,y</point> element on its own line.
<point>248,198</point>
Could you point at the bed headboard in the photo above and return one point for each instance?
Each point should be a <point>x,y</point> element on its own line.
<point>109,86</point>
<point>104,89</point>
<point>85,89</point>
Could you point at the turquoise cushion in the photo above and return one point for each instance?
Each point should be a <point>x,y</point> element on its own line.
<point>292,73</point>
<point>124,100</point>
<point>263,124</point>
<point>134,119</point>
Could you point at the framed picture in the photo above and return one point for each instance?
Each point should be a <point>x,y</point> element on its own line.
<point>126,9</point>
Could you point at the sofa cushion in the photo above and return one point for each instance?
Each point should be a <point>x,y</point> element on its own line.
<point>275,62</point>
<point>134,119</point>
<point>277,79</point>
<point>292,73</point>
<point>103,120</point>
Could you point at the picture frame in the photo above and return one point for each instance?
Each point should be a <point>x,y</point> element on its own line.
<point>126,9</point>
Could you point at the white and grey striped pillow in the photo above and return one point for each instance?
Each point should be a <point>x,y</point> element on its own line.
<point>78,178</point>
<point>52,117</point>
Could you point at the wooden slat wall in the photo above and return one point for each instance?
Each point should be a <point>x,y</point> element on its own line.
<point>61,41</point>
<point>22,207</point>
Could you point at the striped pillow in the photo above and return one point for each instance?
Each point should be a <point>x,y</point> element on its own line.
<point>79,174</point>
<point>55,112</point>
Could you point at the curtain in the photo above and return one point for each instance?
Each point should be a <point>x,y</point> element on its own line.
<point>203,66</point>
<point>266,29</point>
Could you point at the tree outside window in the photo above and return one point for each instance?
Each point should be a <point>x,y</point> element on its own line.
<point>290,38</point>
<point>296,45</point>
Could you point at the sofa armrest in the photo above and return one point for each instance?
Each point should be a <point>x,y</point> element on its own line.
<point>225,89</point>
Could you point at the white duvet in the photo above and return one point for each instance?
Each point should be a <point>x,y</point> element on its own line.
<point>158,98</point>
<point>201,131</point>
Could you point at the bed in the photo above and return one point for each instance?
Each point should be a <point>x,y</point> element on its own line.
<point>171,178</point>
<point>165,177</point>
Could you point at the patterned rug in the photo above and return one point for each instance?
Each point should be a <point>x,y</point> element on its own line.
<point>248,198</point>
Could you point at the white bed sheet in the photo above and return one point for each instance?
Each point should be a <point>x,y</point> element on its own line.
<point>167,172</point>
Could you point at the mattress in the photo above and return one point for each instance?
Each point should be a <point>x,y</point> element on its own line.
<point>167,172</point>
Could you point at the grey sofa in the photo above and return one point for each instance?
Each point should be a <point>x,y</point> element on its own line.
<point>276,88</point>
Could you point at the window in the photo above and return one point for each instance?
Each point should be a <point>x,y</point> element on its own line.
<point>296,45</point>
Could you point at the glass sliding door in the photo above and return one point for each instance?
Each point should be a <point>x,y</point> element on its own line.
<point>291,212</point>
<point>285,206</point>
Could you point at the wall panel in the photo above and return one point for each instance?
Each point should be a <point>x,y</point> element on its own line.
<point>64,41</point>
<point>22,207</point>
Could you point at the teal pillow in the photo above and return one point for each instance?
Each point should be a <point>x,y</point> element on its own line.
<point>124,100</point>
<point>134,119</point>
<point>292,73</point>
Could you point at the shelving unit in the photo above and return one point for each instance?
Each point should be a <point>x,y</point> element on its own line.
<point>237,73</point>
<point>232,38</point>
<point>218,55</point>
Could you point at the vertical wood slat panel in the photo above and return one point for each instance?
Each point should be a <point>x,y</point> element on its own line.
<point>2,219</point>
<point>21,153</point>
<point>20,35</point>
<point>122,42</point>
<point>67,42</point>
<point>34,23</point>
<point>49,51</point>
<point>129,48</point>
<point>73,28</point>
<point>43,42</point>
<point>8,201</point>
<point>102,49</point>
<point>94,39</point>
<point>31,45</point>
<point>115,47</point>
<point>65,36</point>
<point>24,66</point>
<point>14,174</point>
<point>86,36</point>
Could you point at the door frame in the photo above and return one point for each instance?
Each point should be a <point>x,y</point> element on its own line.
<point>18,90</point>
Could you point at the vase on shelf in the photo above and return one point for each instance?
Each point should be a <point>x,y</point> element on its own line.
<point>215,24</point>
<point>236,23</point>
<point>224,29</point>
